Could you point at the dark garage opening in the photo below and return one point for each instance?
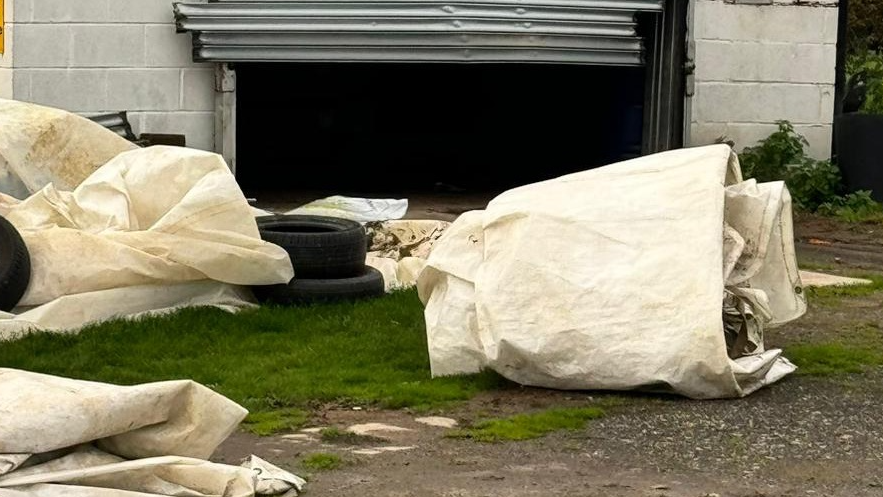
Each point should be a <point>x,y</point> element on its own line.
<point>367,128</point>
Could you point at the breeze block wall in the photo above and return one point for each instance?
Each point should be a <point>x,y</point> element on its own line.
<point>94,56</point>
<point>759,61</point>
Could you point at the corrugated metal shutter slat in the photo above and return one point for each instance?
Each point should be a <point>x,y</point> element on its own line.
<point>564,31</point>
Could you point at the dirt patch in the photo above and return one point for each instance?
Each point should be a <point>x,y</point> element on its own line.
<point>837,246</point>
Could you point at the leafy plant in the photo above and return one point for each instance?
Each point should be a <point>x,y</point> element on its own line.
<point>865,30</point>
<point>813,182</point>
<point>853,207</point>
<point>782,157</point>
<point>867,67</point>
<point>815,185</point>
<point>770,158</point>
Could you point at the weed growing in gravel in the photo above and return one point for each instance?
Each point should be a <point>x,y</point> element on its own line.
<point>268,423</point>
<point>321,461</point>
<point>338,436</point>
<point>828,359</point>
<point>528,426</point>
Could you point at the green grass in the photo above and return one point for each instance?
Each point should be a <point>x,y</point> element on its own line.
<point>832,295</point>
<point>829,359</point>
<point>806,265</point>
<point>321,462</point>
<point>529,426</point>
<point>268,359</point>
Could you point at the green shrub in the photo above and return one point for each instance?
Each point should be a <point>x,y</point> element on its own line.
<point>782,157</point>
<point>865,31</point>
<point>770,158</point>
<point>870,64</point>
<point>815,185</point>
<point>853,207</point>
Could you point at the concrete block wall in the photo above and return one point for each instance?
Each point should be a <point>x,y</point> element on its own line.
<point>6,56</point>
<point>94,56</point>
<point>759,62</point>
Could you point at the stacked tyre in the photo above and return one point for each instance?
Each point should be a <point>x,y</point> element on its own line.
<point>328,255</point>
<point>15,266</point>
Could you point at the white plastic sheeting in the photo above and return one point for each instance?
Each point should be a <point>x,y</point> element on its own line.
<point>149,230</point>
<point>63,437</point>
<point>41,145</point>
<point>359,209</point>
<point>616,278</point>
<point>155,215</point>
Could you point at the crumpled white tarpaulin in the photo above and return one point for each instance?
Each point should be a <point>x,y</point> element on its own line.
<point>617,278</point>
<point>150,230</point>
<point>41,145</point>
<point>64,437</point>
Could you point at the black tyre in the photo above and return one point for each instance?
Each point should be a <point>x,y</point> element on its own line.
<point>311,291</point>
<point>319,246</point>
<point>15,266</point>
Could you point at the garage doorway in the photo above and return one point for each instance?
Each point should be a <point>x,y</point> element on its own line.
<point>430,127</point>
<point>401,97</point>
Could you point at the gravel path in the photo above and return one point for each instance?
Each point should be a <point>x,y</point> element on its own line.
<point>803,436</point>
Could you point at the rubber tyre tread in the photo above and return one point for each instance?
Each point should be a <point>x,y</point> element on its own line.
<point>15,266</point>
<point>311,291</point>
<point>327,247</point>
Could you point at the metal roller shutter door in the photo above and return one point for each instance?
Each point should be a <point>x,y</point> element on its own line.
<point>598,32</point>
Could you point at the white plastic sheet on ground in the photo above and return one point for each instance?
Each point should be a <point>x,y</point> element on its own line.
<point>150,230</point>
<point>616,278</point>
<point>358,209</point>
<point>63,437</point>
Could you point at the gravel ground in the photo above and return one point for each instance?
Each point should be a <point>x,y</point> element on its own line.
<point>803,436</point>
<point>800,420</point>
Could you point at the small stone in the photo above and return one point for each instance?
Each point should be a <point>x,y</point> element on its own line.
<point>373,451</point>
<point>366,452</point>
<point>660,487</point>
<point>357,408</point>
<point>397,449</point>
<point>368,428</point>
<point>437,421</point>
<point>297,437</point>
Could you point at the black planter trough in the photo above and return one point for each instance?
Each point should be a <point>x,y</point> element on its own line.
<point>859,143</point>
